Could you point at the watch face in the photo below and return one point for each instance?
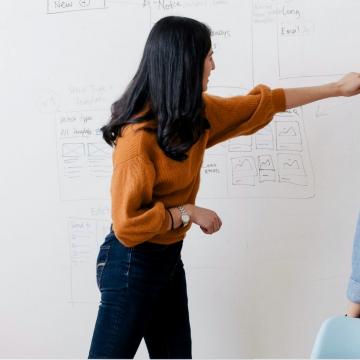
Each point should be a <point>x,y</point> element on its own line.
<point>185,218</point>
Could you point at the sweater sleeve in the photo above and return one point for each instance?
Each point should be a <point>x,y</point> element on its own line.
<point>353,291</point>
<point>136,217</point>
<point>241,115</point>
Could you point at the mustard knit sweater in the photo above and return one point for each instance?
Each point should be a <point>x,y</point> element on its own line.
<point>145,181</point>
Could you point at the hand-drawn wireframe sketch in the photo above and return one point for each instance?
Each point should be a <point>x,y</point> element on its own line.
<point>269,175</point>
<point>243,170</point>
<point>84,157</point>
<point>241,143</point>
<point>214,174</point>
<point>98,156</point>
<point>60,6</point>
<point>99,149</point>
<point>286,133</point>
<point>299,25</point>
<point>264,138</point>
<point>82,242</point>
<point>288,136</point>
<point>85,237</point>
<point>73,150</point>
<point>291,169</point>
<point>266,168</point>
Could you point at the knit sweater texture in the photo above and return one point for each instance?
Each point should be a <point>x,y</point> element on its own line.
<point>145,181</point>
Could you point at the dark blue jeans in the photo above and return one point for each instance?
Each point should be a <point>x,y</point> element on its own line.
<point>143,295</point>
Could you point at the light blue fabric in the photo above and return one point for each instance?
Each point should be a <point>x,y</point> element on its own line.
<point>338,338</point>
<point>353,291</point>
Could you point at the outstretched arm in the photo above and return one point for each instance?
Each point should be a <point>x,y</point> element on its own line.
<point>348,85</point>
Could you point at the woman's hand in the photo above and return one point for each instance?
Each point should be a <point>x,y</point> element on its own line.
<point>353,309</point>
<point>349,84</point>
<point>208,220</point>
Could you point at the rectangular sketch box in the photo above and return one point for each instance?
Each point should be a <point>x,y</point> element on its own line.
<point>288,136</point>
<point>60,6</point>
<point>99,150</point>
<point>243,170</point>
<point>291,169</point>
<point>266,168</point>
<point>73,150</point>
<point>264,138</point>
<point>314,42</point>
<point>241,143</point>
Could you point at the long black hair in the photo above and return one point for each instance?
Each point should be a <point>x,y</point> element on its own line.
<point>168,83</point>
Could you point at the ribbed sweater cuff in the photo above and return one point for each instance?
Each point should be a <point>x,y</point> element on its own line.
<point>279,100</point>
<point>165,223</point>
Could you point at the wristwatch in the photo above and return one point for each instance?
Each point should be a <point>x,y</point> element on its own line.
<point>185,217</point>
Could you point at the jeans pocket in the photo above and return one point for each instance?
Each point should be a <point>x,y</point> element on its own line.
<point>101,263</point>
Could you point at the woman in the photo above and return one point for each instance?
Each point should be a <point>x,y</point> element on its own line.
<point>160,128</point>
<point>353,291</point>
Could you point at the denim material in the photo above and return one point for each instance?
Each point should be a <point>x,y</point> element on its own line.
<point>143,295</point>
<point>353,291</point>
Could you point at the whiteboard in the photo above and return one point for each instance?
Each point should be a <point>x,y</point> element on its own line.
<point>288,195</point>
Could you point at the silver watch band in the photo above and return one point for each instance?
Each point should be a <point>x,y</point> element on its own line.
<point>185,217</point>
<point>182,210</point>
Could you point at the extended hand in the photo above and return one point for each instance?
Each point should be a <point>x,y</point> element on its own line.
<point>349,84</point>
<point>208,220</point>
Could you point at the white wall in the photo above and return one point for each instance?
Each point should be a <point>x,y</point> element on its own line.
<point>288,196</point>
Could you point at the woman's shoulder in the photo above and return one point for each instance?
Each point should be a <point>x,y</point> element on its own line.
<point>136,140</point>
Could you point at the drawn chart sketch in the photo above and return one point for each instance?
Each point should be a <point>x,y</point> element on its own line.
<point>291,169</point>
<point>266,168</point>
<point>283,162</point>
<point>231,39</point>
<point>243,170</point>
<point>288,135</point>
<point>274,162</point>
<point>300,26</point>
<point>84,159</point>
